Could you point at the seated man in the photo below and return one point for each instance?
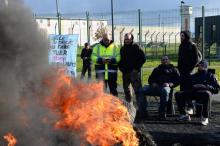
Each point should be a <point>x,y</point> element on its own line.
<point>204,84</point>
<point>162,79</point>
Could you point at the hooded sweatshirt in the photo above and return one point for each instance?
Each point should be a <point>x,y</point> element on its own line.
<point>188,55</point>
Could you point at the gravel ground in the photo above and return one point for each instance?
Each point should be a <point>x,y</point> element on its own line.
<point>172,132</point>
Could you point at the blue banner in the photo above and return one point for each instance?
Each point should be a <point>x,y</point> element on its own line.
<point>63,51</point>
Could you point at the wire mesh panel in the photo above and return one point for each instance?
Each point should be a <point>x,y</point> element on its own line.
<point>160,30</point>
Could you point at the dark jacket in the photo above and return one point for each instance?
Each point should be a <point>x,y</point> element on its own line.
<point>207,81</point>
<point>132,58</point>
<point>188,55</point>
<point>86,56</point>
<point>164,74</point>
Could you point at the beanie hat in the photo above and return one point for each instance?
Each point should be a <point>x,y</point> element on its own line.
<point>204,64</point>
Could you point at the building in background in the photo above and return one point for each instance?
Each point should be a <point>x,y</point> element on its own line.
<point>70,26</point>
<point>212,37</point>
<point>156,34</point>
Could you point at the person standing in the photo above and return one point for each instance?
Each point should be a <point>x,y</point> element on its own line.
<point>132,59</point>
<point>86,57</point>
<point>187,59</point>
<point>106,57</point>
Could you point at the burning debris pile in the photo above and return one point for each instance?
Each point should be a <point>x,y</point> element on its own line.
<point>10,139</point>
<point>100,119</point>
<point>42,106</point>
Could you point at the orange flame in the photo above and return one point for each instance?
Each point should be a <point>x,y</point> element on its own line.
<point>100,119</point>
<point>11,139</point>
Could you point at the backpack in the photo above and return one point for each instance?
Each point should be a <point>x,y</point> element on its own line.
<point>199,53</point>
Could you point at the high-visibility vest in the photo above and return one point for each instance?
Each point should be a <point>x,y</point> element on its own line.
<point>100,51</point>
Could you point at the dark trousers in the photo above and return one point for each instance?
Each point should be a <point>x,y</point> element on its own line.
<point>84,69</point>
<point>133,78</point>
<point>201,96</point>
<point>185,81</point>
<point>112,84</point>
<point>185,84</point>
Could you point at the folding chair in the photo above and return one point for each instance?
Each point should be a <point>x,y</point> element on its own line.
<point>170,109</point>
<point>210,102</point>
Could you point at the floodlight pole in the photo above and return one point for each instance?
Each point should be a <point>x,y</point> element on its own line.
<point>181,13</point>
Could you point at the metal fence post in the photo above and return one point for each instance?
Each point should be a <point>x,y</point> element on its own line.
<point>140,27</point>
<point>88,27</point>
<point>175,40</point>
<point>140,36</point>
<point>121,33</point>
<point>169,39</point>
<point>151,37</point>
<point>157,44</point>
<point>58,17</point>
<point>164,43</point>
<point>112,15</point>
<point>145,36</point>
<point>203,32</point>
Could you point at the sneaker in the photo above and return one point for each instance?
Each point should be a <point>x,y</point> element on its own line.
<point>189,111</point>
<point>204,121</point>
<point>184,118</point>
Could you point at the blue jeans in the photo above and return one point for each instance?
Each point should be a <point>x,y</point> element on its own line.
<point>162,92</point>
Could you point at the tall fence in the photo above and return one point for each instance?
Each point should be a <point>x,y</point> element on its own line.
<point>159,30</point>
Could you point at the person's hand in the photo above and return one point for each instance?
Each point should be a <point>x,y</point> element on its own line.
<point>106,60</point>
<point>166,85</point>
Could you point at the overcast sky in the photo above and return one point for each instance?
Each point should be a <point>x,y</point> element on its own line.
<point>68,6</point>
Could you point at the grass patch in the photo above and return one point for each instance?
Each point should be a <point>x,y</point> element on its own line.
<point>149,65</point>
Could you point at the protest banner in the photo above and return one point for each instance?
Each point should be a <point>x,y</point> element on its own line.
<point>63,51</point>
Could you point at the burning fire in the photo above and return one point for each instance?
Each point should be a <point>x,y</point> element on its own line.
<point>100,119</point>
<point>11,139</point>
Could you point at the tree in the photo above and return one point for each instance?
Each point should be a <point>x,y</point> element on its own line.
<point>100,31</point>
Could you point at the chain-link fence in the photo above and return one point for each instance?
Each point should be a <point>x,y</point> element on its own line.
<point>159,30</point>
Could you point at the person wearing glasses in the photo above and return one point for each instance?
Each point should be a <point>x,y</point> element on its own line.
<point>161,81</point>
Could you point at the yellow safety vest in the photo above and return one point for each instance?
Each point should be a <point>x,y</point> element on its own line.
<point>100,51</point>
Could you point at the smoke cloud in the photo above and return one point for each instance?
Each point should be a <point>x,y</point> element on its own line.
<point>23,62</point>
